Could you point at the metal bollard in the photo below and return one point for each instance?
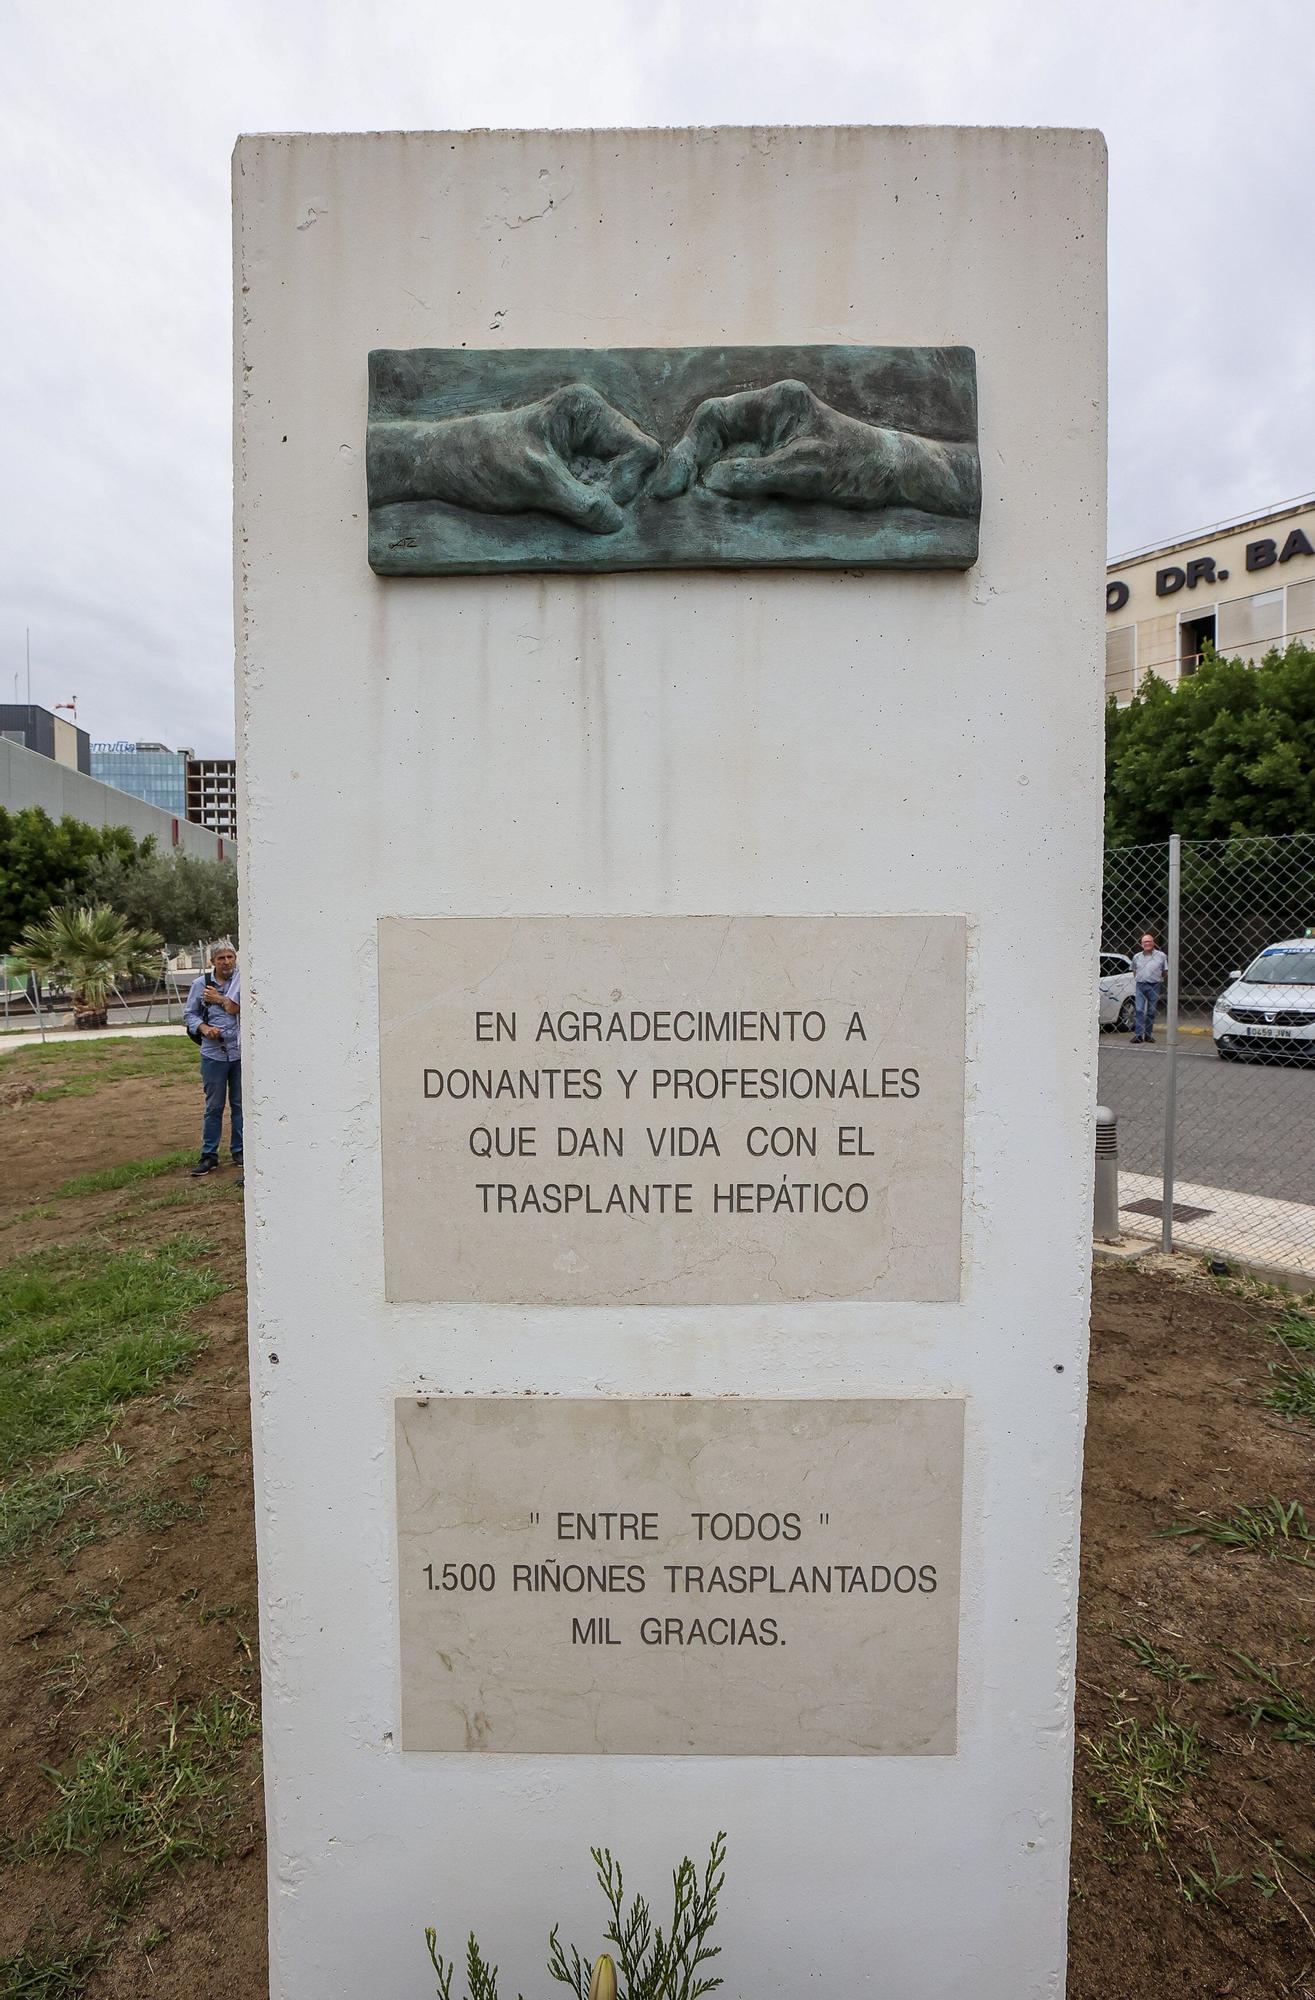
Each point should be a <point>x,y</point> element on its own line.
<point>1106,1218</point>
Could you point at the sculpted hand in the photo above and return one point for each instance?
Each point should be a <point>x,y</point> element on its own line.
<point>570,454</point>
<point>786,443</point>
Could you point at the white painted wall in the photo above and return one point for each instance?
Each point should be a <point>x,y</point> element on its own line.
<point>757,742</point>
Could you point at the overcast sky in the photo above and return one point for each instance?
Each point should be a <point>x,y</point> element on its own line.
<point>117,118</point>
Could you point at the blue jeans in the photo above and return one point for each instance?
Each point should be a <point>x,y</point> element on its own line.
<point>221,1080</point>
<point>1148,999</point>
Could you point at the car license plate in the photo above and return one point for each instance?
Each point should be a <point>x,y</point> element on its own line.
<point>1274,1034</point>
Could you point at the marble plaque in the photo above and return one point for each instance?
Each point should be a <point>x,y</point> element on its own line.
<point>671,1577</point>
<point>672,1110</point>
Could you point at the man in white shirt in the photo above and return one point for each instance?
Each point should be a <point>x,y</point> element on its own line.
<point>1149,967</point>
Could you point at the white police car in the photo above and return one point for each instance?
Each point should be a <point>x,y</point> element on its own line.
<point>1270,1006</point>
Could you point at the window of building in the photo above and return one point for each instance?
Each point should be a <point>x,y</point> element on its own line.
<point>1301,612</point>
<point>1194,635</point>
<point>1249,626</point>
<point>1121,662</point>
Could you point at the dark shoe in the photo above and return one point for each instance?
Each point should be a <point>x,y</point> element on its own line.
<point>237,1159</point>
<point>204,1167</point>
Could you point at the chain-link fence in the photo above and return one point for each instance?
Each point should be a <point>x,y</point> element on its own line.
<point>1208,1057</point>
<point>32,1006</point>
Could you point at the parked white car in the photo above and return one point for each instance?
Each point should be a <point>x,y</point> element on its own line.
<point>1271,1005</point>
<point>1116,992</point>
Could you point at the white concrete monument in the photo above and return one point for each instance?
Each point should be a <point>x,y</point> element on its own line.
<point>668,577</point>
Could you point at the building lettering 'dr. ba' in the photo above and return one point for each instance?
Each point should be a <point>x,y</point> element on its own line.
<point>1239,589</point>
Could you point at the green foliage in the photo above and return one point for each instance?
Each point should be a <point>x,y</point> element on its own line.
<point>1200,1888</point>
<point>50,1968</point>
<point>83,1330</point>
<point>1292,1380</point>
<point>92,947</point>
<point>1296,1330</point>
<point>159,1795</point>
<point>652,1963</point>
<point>1275,1528</point>
<point>1290,1714</point>
<point>106,1179</point>
<point>30,1508</point>
<point>187,900</point>
<point>1292,1389</point>
<point>481,1977</point>
<point>1229,751</point>
<point>44,861</point>
<point>1163,1665</point>
<point>1145,1770</point>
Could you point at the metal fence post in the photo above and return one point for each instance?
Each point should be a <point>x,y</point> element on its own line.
<point>1171,1032</point>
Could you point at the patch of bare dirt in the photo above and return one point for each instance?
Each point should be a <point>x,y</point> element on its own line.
<point>135,1118</point>
<point>148,1596</point>
<point>1176,1428</point>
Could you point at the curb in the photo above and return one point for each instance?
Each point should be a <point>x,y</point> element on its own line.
<point>1133,1248</point>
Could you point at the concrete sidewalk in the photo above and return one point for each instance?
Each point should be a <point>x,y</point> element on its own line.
<point>26,1038</point>
<point>1223,1222</point>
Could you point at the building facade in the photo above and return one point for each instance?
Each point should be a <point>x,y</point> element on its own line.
<point>48,734</point>
<point>212,794</point>
<point>146,771</point>
<point>1241,588</point>
<point>29,779</point>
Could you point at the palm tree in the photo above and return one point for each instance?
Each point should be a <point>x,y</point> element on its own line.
<point>91,946</point>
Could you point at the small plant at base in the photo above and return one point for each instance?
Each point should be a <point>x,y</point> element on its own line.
<point>1277,1528</point>
<point>653,1964</point>
<point>1290,1714</point>
<point>1296,1330</point>
<point>1199,1888</point>
<point>1145,1769</point>
<point>481,1978</point>
<point>152,1796</point>
<point>1292,1389</point>
<point>46,1968</point>
<point>1162,1665</point>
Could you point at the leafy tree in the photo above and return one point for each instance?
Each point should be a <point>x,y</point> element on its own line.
<point>1229,751</point>
<point>187,900</point>
<point>92,948</point>
<point>45,861</point>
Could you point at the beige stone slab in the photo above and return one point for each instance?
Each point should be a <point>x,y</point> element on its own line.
<point>586,1205</point>
<point>674,1577</point>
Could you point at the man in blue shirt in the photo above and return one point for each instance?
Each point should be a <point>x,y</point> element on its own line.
<point>213,1017</point>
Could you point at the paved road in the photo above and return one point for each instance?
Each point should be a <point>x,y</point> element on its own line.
<point>136,1016</point>
<point>1249,1126</point>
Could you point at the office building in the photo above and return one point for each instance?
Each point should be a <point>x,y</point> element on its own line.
<point>146,771</point>
<point>1240,588</point>
<point>212,794</point>
<point>48,734</point>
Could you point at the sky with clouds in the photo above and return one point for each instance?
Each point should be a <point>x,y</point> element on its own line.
<point>117,118</point>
